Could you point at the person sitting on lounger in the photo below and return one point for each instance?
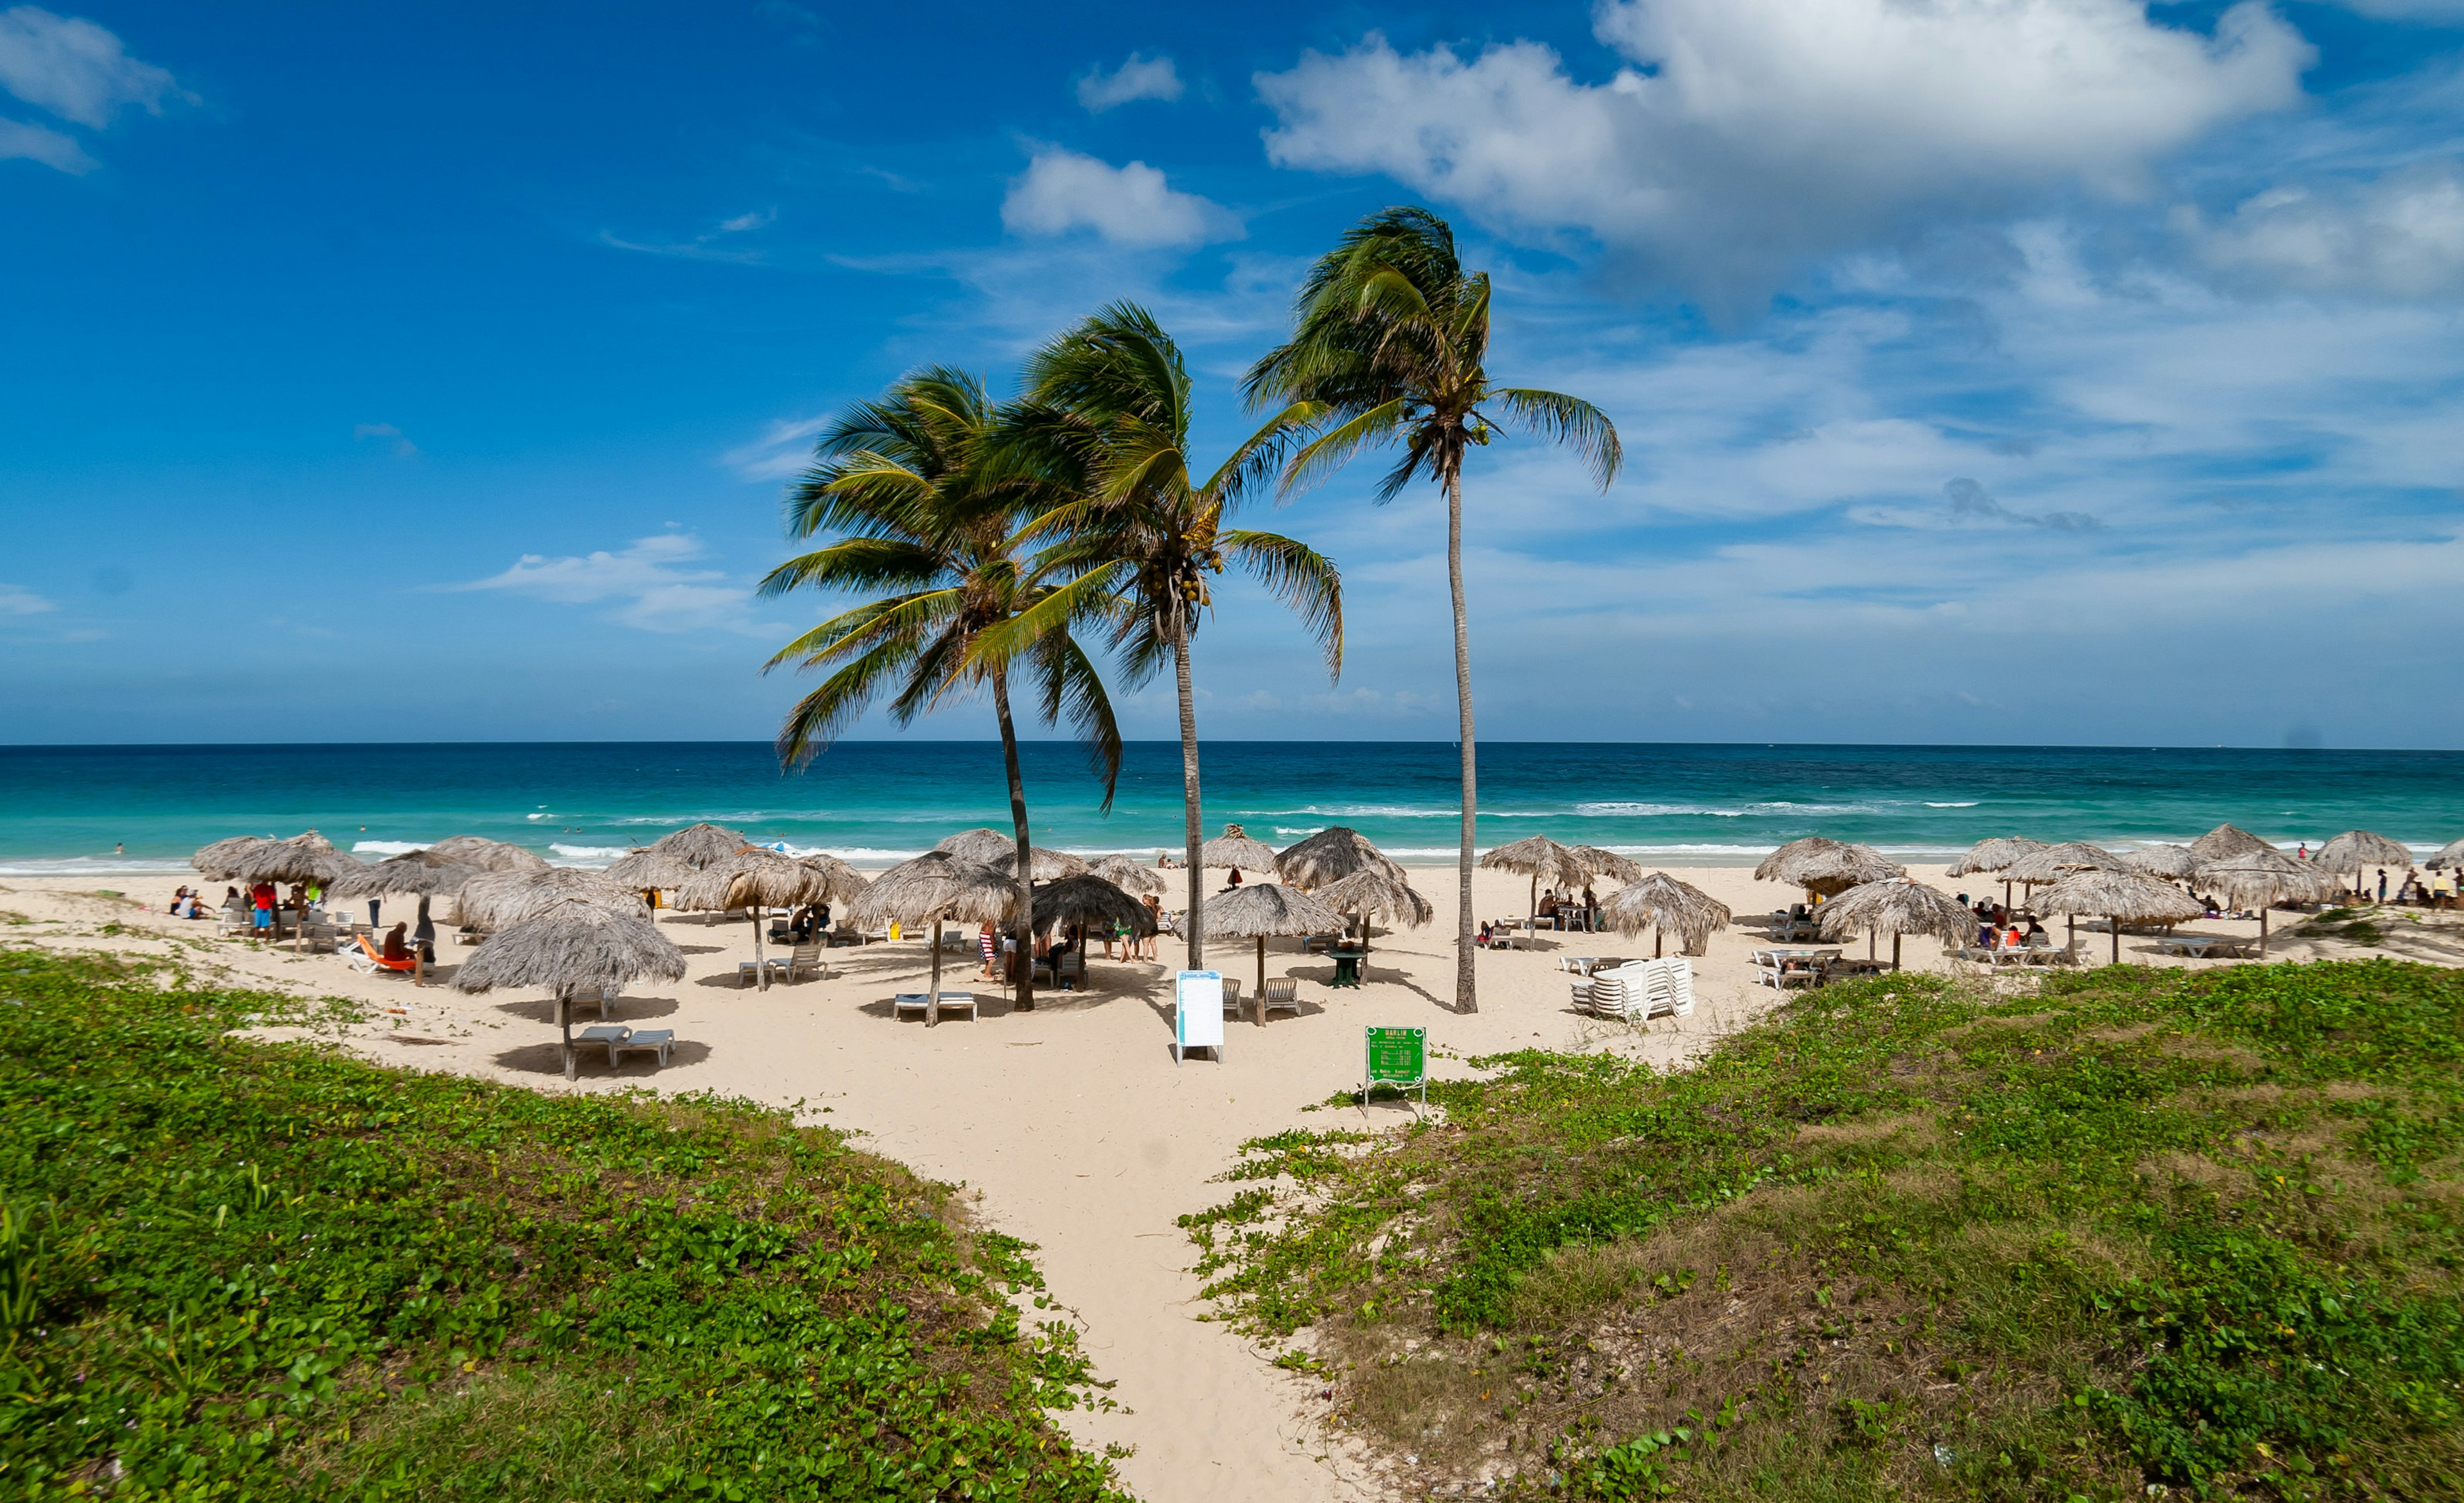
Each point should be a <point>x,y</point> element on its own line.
<point>395,948</point>
<point>2036,933</point>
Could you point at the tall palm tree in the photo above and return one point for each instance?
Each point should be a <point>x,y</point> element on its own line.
<point>1390,344</point>
<point>938,549</point>
<point>1107,417</point>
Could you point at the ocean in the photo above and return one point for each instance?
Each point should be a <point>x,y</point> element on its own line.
<point>64,808</point>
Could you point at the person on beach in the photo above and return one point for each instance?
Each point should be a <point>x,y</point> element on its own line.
<point>261,899</point>
<point>984,941</point>
<point>2382,884</point>
<point>1154,937</point>
<point>373,920</point>
<point>394,947</point>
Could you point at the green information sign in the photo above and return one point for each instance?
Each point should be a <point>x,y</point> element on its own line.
<point>1397,1057</point>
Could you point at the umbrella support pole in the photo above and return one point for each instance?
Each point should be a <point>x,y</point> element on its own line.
<point>1895,952</point>
<point>760,972</point>
<point>564,1024</point>
<point>2115,925</point>
<point>933,1008</point>
<point>2262,931</point>
<point>1261,980</point>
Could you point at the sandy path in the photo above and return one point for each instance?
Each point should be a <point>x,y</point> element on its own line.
<point>1071,1123</point>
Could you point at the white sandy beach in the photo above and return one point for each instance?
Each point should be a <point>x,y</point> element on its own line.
<point>1072,1124</point>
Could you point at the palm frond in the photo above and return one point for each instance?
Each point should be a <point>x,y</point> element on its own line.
<point>1327,453</point>
<point>1303,579</point>
<point>1073,691</point>
<point>1566,420</point>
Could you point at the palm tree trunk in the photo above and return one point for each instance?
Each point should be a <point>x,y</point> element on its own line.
<point>1467,1000</point>
<point>1025,925</point>
<point>1192,836</point>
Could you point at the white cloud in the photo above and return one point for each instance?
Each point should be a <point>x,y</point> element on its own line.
<point>2400,237</point>
<point>1139,79</point>
<point>16,600</point>
<point>1753,134</point>
<point>75,69</point>
<point>402,446</point>
<point>39,143</point>
<point>653,585</point>
<point>784,449</point>
<point>1131,205</point>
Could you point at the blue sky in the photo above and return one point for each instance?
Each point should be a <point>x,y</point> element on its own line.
<point>1989,371</point>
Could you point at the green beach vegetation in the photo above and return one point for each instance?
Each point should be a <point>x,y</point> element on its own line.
<point>2140,1232</point>
<point>233,1269</point>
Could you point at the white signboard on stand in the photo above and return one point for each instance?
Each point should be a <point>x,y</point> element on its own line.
<point>1198,1014</point>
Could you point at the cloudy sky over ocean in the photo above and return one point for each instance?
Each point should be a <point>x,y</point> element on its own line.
<point>1989,371</point>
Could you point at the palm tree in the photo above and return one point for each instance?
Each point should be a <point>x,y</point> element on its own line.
<point>938,547</point>
<point>1390,344</point>
<point>1107,416</point>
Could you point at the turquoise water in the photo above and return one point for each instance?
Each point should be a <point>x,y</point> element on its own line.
<point>63,808</point>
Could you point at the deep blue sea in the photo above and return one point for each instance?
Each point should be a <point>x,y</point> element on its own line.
<point>63,809</point>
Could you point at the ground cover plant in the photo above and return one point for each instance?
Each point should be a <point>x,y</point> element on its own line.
<point>241,1270</point>
<point>2140,1232</point>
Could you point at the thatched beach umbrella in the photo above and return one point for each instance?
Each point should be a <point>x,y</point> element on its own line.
<point>1042,865</point>
<point>2119,897</point>
<point>1826,868</point>
<point>1131,875</point>
<point>1781,865</point>
<point>1268,908</point>
<point>1992,857</point>
<point>2356,848</point>
<point>1087,901</point>
<point>488,856</point>
<point>1235,850</point>
<point>933,886</point>
<point>649,870</point>
<point>1598,863</point>
<point>2450,855</point>
<point>305,859</point>
<point>423,874</point>
<point>979,845</point>
<point>1370,891</point>
<point>2043,867</point>
<point>501,900</point>
<point>1666,906</point>
<point>1897,906</point>
<point>699,845</point>
<point>755,878</point>
<point>1330,855</point>
<point>568,947</point>
<point>1545,860</point>
<point>2261,878</point>
<point>2226,840</point>
<point>2173,862</point>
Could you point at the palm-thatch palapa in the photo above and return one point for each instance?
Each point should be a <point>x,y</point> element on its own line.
<point>1042,865</point>
<point>2120,897</point>
<point>1087,903</point>
<point>488,856</point>
<point>1825,868</point>
<point>1601,863</point>
<point>1897,906</point>
<point>1235,850</point>
<point>307,859</point>
<point>755,878</point>
<point>651,871</point>
<point>1370,892</point>
<point>571,946</point>
<point>1131,875</point>
<point>2046,867</point>
<point>1262,909</point>
<point>2173,862</point>
<point>1546,860</point>
<point>1666,906</point>
<point>933,886</point>
<point>979,845</point>
<point>1992,857</point>
<point>2449,854</point>
<point>423,874</point>
<point>2261,878</point>
<point>2227,840</point>
<point>2357,849</point>
<point>1330,855</point>
<point>698,846</point>
<point>501,900</point>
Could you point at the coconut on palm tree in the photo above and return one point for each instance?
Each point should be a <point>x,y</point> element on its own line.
<point>936,550</point>
<point>1107,417</point>
<point>1391,346</point>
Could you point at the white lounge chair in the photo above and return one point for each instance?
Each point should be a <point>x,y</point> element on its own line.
<point>656,1041</point>
<point>611,1035</point>
<point>915,1001</point>
<point>802,958</point>
<point>1232,998</point>
<point>1283,995</point>
<point>950,1000</point>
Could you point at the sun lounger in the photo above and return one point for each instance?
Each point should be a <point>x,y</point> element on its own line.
<point>915,1001</point>
<point>611,1035</point>
<point>805,958</point>
<point>370,960</point>
<point>656,1041</point>
<point>2205,946</point>
<point>953,1001</point>
<point>1283,995</point>
<point>1232,998</point>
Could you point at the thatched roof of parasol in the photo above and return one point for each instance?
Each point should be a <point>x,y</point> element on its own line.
<point>2225,840</point>
<point>2257,879</point>
<point>2356,848</point>
<point>501,900</point>
<point>936,885</point>
<point>753,876</point>
<point>2167,861</point>
<point>979,845</point>
<point>1370,891</point>
<point>1131,875</point>
<point>423,872</point>
<point>1330,855</point>
<point>1090,900</point>
<point>1660,901</point>
<point>304,857</point>
<point>2053,863</point>
<point>1541,859</point>
<point>2450,855</point>
<point>646,869</point>
<point>1829,867</point>
<point>2103,892</point>
<point>1608,863</point>
<point>1234,849</point>
<point>488,856</point>
<point>845,881</point>
<point>1042,865</point>
<point>1993,857</point>
<point>571,943</point>
<point>1896,905</point>
<point>1261,908</point>
<point>697,846</point>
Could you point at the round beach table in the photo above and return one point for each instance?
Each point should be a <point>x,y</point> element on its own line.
<point>1347,965</point>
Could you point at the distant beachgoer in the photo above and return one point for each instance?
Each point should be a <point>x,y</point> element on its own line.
<point>373,920</point>
<point>119,850</point>
<point>1149,950</point>
<point>261,898</point>
<point>2382,884</point>
<point>1236,876</point>
<point>984,938</point>
<point>2301,852</point>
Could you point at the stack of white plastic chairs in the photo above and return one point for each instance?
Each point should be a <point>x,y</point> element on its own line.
<point>1640,990</point>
